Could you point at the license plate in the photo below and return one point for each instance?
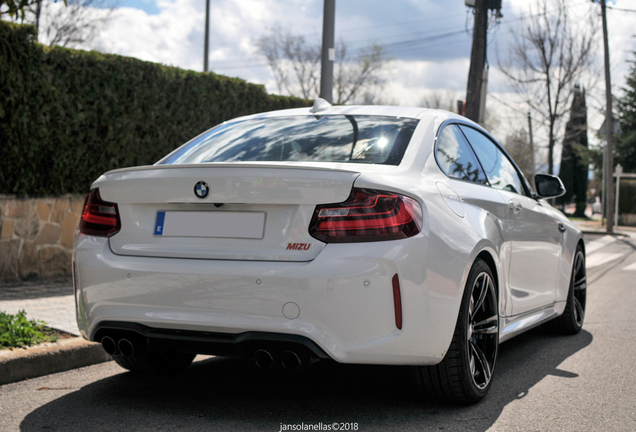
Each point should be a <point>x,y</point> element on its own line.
<point>246,225</point>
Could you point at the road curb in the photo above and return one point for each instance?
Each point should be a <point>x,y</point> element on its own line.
<point>63,355</point>
<point>617,234</point>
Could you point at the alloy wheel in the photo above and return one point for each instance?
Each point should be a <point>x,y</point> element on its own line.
<point>483,328</point>
<point>579,279</point>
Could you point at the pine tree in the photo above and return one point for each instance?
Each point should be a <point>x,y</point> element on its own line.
<point>573,171</point>
<point>625,144</point>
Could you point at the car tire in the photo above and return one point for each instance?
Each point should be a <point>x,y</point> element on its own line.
<point>155,362</point>
<point>465,374</point>
<point>571,321</point>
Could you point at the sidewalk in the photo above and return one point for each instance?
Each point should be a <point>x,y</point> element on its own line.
<point>594,226</point>
<point>54,303</point>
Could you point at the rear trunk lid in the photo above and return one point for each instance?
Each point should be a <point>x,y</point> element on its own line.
<point>252,211</point>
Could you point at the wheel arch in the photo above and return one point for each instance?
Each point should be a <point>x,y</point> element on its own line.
<point>490,261</point>
<point>488,254</point>
<point>582,244</point>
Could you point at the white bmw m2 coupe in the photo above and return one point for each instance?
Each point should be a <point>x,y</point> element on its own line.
<point>358,234</point>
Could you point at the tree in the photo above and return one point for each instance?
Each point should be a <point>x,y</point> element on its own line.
<point>439,99</point>
<point>574,164</point>
<point>362,74</point>
<point>295,64</point>
<point>517,145</point>
<point>625,143</point>
<point>72,26</point>
<point>548,56</point>
<point>13,8</point>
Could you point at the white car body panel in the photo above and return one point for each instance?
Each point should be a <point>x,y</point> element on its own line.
<point>343,291</point>
<point>348,313</point>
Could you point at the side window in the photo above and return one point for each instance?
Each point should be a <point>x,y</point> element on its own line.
<point>456,158</point>
<point>500,171</point>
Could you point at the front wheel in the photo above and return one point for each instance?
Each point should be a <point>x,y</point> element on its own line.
<point>465,374</point>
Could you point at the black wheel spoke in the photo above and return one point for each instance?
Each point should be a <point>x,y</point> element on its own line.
<point>578,264</point>
<point>579,289</point>
<point>482,370</point>
<point>483,330</point>
<point>581,283</point>
<point>579,311</point>
<point>488,326</point>
<point>484,286</point>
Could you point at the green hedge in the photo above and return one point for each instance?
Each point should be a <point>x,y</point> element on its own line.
<point>67,116</point>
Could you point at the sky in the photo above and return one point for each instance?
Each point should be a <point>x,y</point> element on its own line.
<point>429,39</point>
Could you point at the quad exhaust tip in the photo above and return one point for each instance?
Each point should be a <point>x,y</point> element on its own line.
<point>290,360</point>
<point>126,348</point>
<point>109,345</point>
<point>263,359</point>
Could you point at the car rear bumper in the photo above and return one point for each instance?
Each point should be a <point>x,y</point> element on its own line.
<point>342,301</point>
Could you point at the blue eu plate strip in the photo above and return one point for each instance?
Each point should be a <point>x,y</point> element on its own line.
<point>159,225</point>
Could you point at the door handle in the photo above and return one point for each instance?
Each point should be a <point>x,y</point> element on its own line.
<point>515,206</point>
<point>561,227</point>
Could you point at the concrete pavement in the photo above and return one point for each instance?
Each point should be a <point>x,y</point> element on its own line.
<point>54,303</point>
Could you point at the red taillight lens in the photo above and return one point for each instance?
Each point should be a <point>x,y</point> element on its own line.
<point>99,218</point>
<point>368,215</point>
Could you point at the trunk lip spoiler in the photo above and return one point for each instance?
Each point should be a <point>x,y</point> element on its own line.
<point>262,165</point>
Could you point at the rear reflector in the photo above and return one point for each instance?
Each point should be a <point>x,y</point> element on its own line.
<point>397,301</point>
<point>368,215</point>
<point>99,218</point>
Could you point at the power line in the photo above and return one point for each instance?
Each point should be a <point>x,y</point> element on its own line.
<point>397,47</point>
<point>396,24</point>
<point>400,23</point>
<point>424,39</point>
<point>401,47</point>
<point>397,36</point>
<point>619,9</point>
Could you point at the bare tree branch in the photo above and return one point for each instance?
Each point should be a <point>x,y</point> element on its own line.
<point>438,99</point>
<point>295,65</point>
<point>547,58</point>
<point>72,26</point>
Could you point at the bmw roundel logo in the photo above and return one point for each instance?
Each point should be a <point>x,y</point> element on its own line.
<point>201,189</point>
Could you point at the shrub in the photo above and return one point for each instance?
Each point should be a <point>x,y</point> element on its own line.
<point>67,116</point>
<point>17,331</point>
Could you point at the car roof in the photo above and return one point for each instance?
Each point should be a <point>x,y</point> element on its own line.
<point>377,110</point>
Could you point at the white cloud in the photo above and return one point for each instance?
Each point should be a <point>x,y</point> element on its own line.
<point>428,62</point>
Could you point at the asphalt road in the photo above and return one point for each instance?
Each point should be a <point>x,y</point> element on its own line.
<point>543,382</point>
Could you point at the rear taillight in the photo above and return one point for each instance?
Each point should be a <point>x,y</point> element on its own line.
<point>368,215</point>
<point>99,218</point>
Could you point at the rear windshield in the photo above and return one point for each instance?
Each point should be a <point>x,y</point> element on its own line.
<point>330,138</point>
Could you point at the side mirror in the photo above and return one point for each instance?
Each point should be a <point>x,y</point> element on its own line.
<point>548,186</point>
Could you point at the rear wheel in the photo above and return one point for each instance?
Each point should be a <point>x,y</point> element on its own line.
<point>571,321</point>
<point>155,362</point>
<point>465,374</point>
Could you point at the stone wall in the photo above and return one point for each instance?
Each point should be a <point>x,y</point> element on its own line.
<point>37,236</point>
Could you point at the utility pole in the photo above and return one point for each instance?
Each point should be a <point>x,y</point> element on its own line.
<point>608,191</point>
<point>38,12</point>
<point>534,168</point>
<point>206,44</point>
<point>477,61</point>
<point>328,50</point>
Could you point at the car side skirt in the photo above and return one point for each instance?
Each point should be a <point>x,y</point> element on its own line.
<point>515,325</point>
